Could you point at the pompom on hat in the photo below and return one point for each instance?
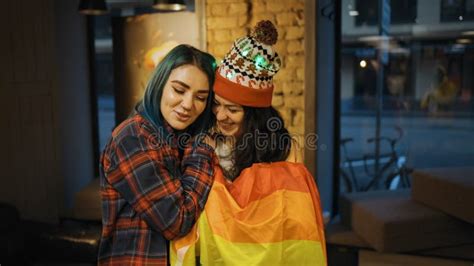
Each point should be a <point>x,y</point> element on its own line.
<point>246,73</point>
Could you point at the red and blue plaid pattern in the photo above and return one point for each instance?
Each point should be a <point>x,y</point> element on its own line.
<point>149,195</point>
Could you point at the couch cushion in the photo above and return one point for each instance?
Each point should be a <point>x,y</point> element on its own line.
<point>450,190</point>
<point>395,223</point>
<point>347,200</point>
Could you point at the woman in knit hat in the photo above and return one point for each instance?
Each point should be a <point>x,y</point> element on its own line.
<point>262,209</point>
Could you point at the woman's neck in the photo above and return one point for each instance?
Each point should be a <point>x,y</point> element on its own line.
<point>225,153</point>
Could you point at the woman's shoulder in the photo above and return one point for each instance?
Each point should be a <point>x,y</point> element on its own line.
<point>135,125</point>
<point>263,178</point>
<point>280,164</point>
<point>284,168</point>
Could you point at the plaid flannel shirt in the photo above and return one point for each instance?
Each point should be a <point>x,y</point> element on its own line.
<point>148,195</point>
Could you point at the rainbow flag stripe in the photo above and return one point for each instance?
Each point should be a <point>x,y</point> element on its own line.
<point>270,215</point>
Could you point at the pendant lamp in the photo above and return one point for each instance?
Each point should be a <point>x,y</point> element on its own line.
<point>169,5</point>
<point>92,7</point>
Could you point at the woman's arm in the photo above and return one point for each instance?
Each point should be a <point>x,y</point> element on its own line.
<point>169,204</point>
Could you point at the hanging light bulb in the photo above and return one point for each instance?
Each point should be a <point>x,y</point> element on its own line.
<point>169,5</point>
<point>92,7</point>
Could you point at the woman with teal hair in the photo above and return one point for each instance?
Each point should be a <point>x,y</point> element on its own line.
<point>154,185</point>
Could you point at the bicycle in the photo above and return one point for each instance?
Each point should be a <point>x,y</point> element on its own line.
<point>393,171</point>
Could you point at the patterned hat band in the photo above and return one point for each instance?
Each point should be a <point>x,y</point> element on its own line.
<point>242,95</point>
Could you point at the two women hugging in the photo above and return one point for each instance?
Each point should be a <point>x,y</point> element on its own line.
<point>188,167</point>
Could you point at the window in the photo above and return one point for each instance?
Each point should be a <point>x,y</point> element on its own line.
<point>402,11</point>
<point>457,10</point>
<point>104,78</point>
<point>414,111</point>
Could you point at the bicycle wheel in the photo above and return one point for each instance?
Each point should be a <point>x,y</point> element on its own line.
<point>398,179</point>
<point>393,181</point>
<point>405,176</point>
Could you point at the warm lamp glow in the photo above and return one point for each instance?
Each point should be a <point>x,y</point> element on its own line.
<point>156,54</point>
<point>169,5</point>
<point>92,7</point>
<point>464,41</point>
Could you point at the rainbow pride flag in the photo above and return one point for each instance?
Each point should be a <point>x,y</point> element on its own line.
<point>270,215</point>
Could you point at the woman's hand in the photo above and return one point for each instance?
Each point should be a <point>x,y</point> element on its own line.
<point>209,140</point>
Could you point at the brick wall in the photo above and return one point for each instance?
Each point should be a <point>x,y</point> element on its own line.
<point>227,20</point>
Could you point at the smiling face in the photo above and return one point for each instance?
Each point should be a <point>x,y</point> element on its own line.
<point>229,116</point>
<point>184,96</point>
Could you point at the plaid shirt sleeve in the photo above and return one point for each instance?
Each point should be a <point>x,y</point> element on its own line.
<point>168,203</point>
